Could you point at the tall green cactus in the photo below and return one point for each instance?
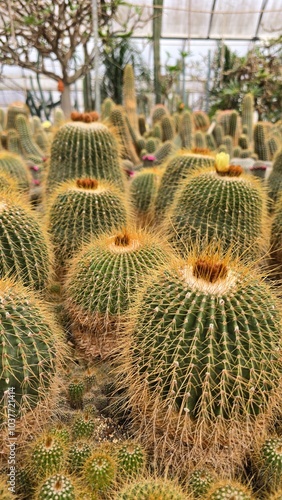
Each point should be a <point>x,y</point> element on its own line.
<point>248,114</point>
<point>15,109</point>
<point>28,145</point>
<point>200,140</point>
<point>168,129</point>
<point>260,141</point>
<point>143,190</point>
<point>129,96</point>
<point>82,149</point>
<point>118,121</point>
<point>107,107</point>
<point>185,129</point>
<point>203,360</point>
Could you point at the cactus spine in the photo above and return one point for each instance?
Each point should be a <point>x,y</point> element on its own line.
<point>229,490</point>
<point>155,489</point>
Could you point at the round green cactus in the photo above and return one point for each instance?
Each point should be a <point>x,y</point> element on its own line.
<point>229,490</point>
<point>200,481</point>
<point>99,471</point>
<point>47,456</point>
<point>57,487</point>
<point>82,149</point>
<point>151,489</point>
<point>30,349</point>
<point>77,455</point>
<point>103,278</point>
<point>131,458</point>
<point>81,209</point>
<point>83,427</point>
<point>24,246</point>
<point>60,431</point>
<point>203,356</point>
<point>13,165</point>
<point>177,169</point>
<point>213,206</point>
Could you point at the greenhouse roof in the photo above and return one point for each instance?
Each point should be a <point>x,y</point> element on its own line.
<point>213,19</point>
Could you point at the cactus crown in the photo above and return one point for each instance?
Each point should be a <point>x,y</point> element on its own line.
<point>122,239</point>
<point>93,116</point>
<point>201,151</point>
<point>87,183</point>
<point>209,271</point>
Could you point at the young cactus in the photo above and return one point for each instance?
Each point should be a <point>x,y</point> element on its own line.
<point>47,456</point>
<point>200,481</point>
<point>99,471</point>
<point>143,191</point>
<point>229,490</point>
<point>131,459</point>
<point>151,489</point>
<point>58,487</point>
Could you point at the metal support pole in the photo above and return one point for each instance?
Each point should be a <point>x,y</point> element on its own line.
<point>96,59</point>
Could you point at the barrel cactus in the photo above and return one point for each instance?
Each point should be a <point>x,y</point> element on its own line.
<point>13,165</point>
<point>131,458</point>
<point>102,280</point>
<point>99,471</point>
<point>200,481</point>
<point>30,350</point>
<point>84,148</point>
<point>24,246</point>
<point>47,456</point>
<point>226,205</point>
<point>203,359</point>
<point>229,490</point>
<point>151,489</point>
<point>77,455</point>
<point>176,170</point>
<point>81,209</point>
<point>268,464</point>
<point>58,487</point>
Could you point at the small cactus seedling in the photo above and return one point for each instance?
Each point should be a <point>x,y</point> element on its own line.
<point>229,490</point>
<point>78,453</point>
<point>269,464</point>
<point>131,459</point>
<point>58,487</point>
<point>99,471</point>
<point>47,456</point>
<point>76,391</point>
<point>200,481</point>
<point>151,489</point>
<point>83,426</point>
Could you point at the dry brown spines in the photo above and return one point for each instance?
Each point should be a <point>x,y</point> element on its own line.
<point>209,271</point>
<point>233,171</point>
<point>87,183</point>
<point>122,239</point>
<point>201,151</point>
<point>90,117</point>
<point>48,442</point>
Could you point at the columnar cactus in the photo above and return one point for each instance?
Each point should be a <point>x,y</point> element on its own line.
<point>163,152</point>
<point>15,109</point>
<point>118,121</point>
<point>177,169</point>
<point>201,120</point>
<point>13,142</point>
<point>129,96</point>
<point>24,245</point>
<point>141,124</point>
<point>81,209</point>
<point>14,166</point>
<point>168,130</point>
<point>59,117</point>
<point>218,134</point>
<point>228,142</point>
<point>210,142</point>
<point>76,391</point>
<point>260,141</point>
<point>29,350</point>
<point>243,141</point>
<point>248,114</point>
<point>103,278</point>
<point>185,129</point>
<point>158,112</point>
<point>200,140</point>
<point>225,205</point>
<point>28,145</point>
<point>233,125</point>
<point>143,190</point>
<point>83,427</point>
<point>84,149</point>
<point>155,489</point>
<point>203,359</point>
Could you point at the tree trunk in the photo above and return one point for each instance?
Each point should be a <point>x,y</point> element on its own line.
<point>66,102</point>
<point>157,29</point>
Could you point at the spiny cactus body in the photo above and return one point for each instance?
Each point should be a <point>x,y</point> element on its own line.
<point>99,471</point>
<point>76,391</point>
<point>177,169</point>
<point>200,481</point>
<point>15,109</point>
<point>46,457</point>
<point>248,114</point>
<point>158,112</point>
<point>143,191</point>
<point>260,141</point>
<point>203,358</point>
<point>29,350</point>
<point>58,487</point>
<point>131,459</point>
<point>167,128</point>
<point>28,145</point>
<point>83,426</point>
<point>151,489</point>
<point>13,165</point>
<point>129,96</point>
<point>81,149</point>
<point>118,121</point>
<point>210,206</point>
<point>77,455</point>
<point>82,209</point>
<point>185,129</point>
<point>269,464</point>
<point>229,490</point>
<point>24,246</point>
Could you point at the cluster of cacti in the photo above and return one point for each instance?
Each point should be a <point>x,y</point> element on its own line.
<point>82,149</point>
<point>81,209</point>
<point>225,205</point>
